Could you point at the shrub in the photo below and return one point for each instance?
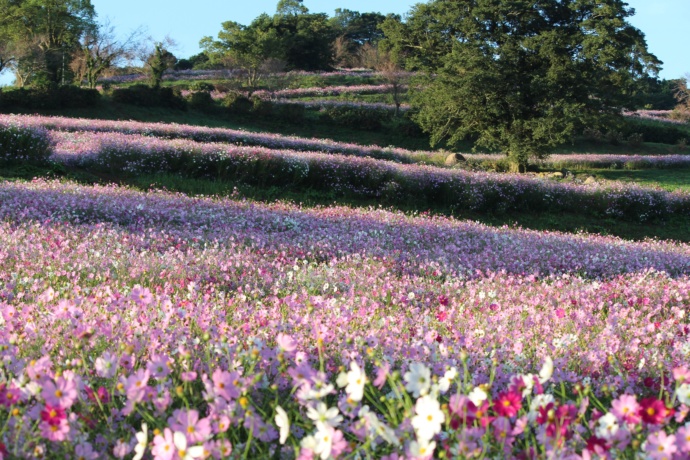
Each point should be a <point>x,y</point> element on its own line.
<point>237,103</point>
<point>262,107</point>
<point>406,127</point>
<point>49,98</point>
<point>635,140</point>
<point>353,117</point>
<point>201,86</point>
<point>200,100</point>
<point>290,112</point>
<point>22,145</point>
<point>146,96</point>
<point>658,132</point>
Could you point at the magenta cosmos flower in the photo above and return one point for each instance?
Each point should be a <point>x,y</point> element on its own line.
<point>508,404</point>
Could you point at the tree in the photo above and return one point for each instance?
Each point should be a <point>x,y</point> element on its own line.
<point>55,26</point>
<point>521,76</point>
<point>250,49</point>
<point>355,31</point>
<point>301,40</point>
<point>99,50</point>
<point>682,94</point>
<point>291,8</point>
<point>28,61</point>
<point>157,60</point>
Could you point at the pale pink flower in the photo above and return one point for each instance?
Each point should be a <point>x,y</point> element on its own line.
<point>187,421</point>
<point>56,432</point>
<point>62,392</point>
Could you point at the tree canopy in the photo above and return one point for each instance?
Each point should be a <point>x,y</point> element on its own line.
<point>520,76</point>
<point>45,32</point>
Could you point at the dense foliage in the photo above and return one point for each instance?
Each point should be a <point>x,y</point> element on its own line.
<point>520,76</point>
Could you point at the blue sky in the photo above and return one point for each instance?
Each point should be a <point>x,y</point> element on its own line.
<point>664,22</point>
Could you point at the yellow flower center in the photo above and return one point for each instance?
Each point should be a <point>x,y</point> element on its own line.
<point>58,393</point>
<point>429,417</point>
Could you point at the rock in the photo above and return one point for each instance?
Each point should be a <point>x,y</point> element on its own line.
<point>557,175</point>
<point>590,180</point>
<point>455,158</point>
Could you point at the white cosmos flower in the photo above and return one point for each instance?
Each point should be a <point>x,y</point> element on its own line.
<point>180,441</point>
<point>528,380</point>
<point>142,442</point>
<point>324,441</point>
<point>448,377</point>
<point>418,379</point>
<point>283,423</point>
<point>378,427</point>
<point>356,379</point>
<point>683,393</point>
<point>422,448</point>
<point>477,396</point>
<point>319,392</point>
<point>546,370</point>
<point>607,426</point>
<point>427,422</point>
<point>322,414</point>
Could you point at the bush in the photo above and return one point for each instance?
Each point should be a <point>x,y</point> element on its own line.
<point>352,117</point>
<point>145,96</point>
<point>200,100</point>
<point>237,103</point>
<point>658,132</point>
<point>406,127</point>
<point>290,112</point>
<point>262,107</point>
<point>24,145</point>
<point>49,98</point>
<point>201,86</point>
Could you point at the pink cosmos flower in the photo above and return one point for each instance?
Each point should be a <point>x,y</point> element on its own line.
<point>141,295</point>
<point>626,409</point>
<point>188,376</point>
<point>683,439</point>
<point>225,384</point>
<point>381,375</point>
<point>653,410</point>
<point>158,367</point>
<point>661,446</point>
<point>106,365</point>
<point>196,430</point>
<point>503,431</point>
<point>9,396</point>
<point>62,393</point>
<point>121,449</point>
<point>681,374</point>
<point>101,394</point>
<point>220,449</point>
<point>53,415</point>
<point>508,404</point>
<point>55,433</point>
<point>135,385</point>
<point>163,446</point>
<point>286,343</point>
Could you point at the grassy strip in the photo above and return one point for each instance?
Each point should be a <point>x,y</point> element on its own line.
<point>671,180</point>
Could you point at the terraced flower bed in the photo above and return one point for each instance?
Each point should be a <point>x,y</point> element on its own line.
<point>155,324</point>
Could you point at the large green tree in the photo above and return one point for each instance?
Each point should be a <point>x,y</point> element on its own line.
<point>55,26</point>
<point>300,39</point>
<point>520,76</point>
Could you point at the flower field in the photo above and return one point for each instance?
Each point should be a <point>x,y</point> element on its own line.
<point>155,325</point>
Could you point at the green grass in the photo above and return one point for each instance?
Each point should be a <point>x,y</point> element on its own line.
<point>667,179</point>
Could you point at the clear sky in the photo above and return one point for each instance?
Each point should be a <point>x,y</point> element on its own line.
<point>664,22</point>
